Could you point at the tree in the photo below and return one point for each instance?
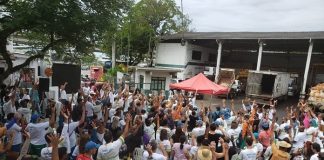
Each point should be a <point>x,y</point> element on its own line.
<point>146,22</point>
<point>72,28</point>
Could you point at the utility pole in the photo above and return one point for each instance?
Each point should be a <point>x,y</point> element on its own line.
<point>113,53</point>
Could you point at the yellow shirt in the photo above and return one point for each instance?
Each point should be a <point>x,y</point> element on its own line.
<point>278,154</point>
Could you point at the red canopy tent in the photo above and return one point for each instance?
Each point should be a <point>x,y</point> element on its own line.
<point>200,84</point>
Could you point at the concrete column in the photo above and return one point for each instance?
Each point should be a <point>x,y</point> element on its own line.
<point>309,56</point>
<point>259,55</point>
<point>219,56</point>
<point>113,53</point>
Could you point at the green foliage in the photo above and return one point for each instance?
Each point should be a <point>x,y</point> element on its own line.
<point>112,73</point>
<point>70,27</point>
<point>146,22</point>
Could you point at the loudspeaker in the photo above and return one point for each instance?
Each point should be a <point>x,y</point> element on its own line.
<point>43,85</point>
<point>67,73</point>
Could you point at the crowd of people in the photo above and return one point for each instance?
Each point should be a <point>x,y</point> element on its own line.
<point>100,122</point>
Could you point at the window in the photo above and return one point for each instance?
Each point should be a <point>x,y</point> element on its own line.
<point>158,83</point>
<point>212,57</point>
<point>196,55</point>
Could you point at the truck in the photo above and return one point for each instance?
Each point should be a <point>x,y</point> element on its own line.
<point>266,85</point>
<point>227,79</point>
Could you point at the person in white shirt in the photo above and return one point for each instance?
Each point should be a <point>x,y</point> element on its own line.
<point>313,129</point>
<point>250,153</point>
<point>46,153</point>
<point>13,127</point>
<point>9,106</point>
<point>111,149</point>
<point>234,131</point>
<point>68,133</point>
<point>86,89</point>
<point>150,153</point>
<point>89,108</point>
<point>299,139</point>
<point>25,108</point>
<point>149,128</point>
<point>200,129</point>
<point>221,121</point>
<point>316,149</point>
<point>63,95</point>
<point>37,132</point>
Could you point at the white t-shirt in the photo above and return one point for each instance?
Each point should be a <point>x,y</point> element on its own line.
<point>249,154</point>
<point>300,138</point>
<point>314,157</point>
<point>111,97</point>
<point>26,112</point>
<point>76,151</point>
<point>63,95</point>
<point>199,131</point>
<point>89,109</point>
<point>127,103</point>
<point>270,115</point>
<point>18,137</point>
<point>9,108</point>
<point>37,132</point>
<point>159,131</point>
<point>111,150</point>
<point>46,153</point>
<point>69,135</point>
<point>309,133</point>
<point>155,156</point>
<point>235,133</point>
<point>223,122</point>
<point>86,90</point>
<point>149,130</point>
<point>167,146</point>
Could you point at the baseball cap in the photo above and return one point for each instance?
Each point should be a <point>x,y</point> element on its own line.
<point>200,122</point>
<point>265,125</point>
<point>34,118</point>
<point>91,145</point>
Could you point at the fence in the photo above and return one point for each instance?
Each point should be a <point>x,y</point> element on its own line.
<point>146,88</point>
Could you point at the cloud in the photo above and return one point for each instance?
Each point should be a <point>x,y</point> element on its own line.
<point>255,15</point>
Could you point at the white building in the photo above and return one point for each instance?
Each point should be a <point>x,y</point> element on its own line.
<point>153,78</point>
<point>191,59</point>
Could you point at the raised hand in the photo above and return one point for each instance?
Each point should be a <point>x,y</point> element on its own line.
<point>55,139</point>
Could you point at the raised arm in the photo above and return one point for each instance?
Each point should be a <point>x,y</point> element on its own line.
<point>243,105</point>
<point>53,116</point>
<point>128,120</point>
<point>83,115</point>
<point>232,107</point>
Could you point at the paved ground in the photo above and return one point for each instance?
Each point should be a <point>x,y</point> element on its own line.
<point>238,103</point>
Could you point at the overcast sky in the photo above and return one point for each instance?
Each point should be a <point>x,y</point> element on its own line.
<point>255,15</point>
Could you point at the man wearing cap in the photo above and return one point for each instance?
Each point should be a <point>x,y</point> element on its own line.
<point>25,109</point>
<point>37,130</point>
<point>266,134</point>
<point>90,150</point>
<point>200,128</point>
<point>280,153</point>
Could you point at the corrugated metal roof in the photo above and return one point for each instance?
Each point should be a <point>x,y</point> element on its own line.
<point>246,35</point>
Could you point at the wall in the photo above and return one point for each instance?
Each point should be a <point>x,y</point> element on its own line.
<point>147,78</point>
<point>20,58</point>
<point>171,55</point>
<point>194,67</point>
<point>204,53</point>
